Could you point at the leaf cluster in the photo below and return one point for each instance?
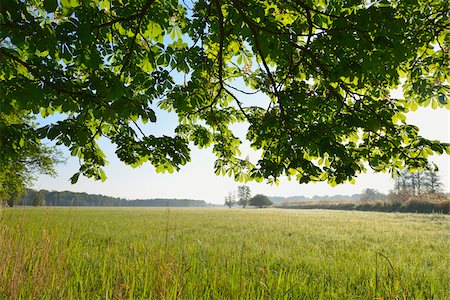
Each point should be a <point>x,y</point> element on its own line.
<point>326,66</point>
<point>22,155</point>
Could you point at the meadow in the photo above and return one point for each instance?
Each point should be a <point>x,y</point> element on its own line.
<point>160,253</point>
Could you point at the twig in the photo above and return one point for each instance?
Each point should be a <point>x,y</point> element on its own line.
<point>129,18</point>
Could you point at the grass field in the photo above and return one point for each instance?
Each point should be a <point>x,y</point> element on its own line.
<point>142,253</point>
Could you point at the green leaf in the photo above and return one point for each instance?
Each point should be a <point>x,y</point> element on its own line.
<point>50,5</point>
<point>74,178</point>
<point>447,150</point>
<point>434,104</point>
<point>102,175</point>
<point>160,169</point>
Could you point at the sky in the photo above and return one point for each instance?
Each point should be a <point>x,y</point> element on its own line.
<point>197,180</point>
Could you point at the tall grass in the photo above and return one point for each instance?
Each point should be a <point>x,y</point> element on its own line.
<point>130,253</point>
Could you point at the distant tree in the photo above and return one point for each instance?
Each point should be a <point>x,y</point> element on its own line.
<point>260,201</point>
<point>432,182</point>
<point>419,178</point>
<point>406,183</point>
<point>401,182</point>
<point>230,200</point>
<point>416,183</point>
<point>371,194</point>
<point>243,195</point>
<point>38,199</point>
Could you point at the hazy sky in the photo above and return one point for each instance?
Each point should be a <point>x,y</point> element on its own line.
<point>198,181</point>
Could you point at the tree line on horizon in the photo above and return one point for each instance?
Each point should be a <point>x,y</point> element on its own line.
<point>66,198</point>
<point>413,192</point>
<point>408,185</point>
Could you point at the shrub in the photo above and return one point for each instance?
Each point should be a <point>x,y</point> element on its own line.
<point>260,201</point>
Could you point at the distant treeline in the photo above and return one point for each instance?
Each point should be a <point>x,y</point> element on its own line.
<point>412,206</point>
<point>354,197</point>
<point>66,198</point>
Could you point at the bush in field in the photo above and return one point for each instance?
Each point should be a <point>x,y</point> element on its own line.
<point>260,201</point>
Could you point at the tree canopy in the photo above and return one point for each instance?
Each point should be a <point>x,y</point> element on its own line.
<point>21,160</point>
<point>243,194</point>
<point>327,68</point>
<point>417,183</point>
<point>260,201</point>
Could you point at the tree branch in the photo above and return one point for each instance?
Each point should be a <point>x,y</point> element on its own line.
<point>141,14</point>
<point>221,43</point>
<point>239,104</point>
<point>250,25</point>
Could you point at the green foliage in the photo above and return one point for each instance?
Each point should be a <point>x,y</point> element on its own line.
<point>12,180</point>
<point>22,156</point>
<point>260,201</point>
<point>38,199</point>
<point>113,253</point>
<point>327,67</point>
